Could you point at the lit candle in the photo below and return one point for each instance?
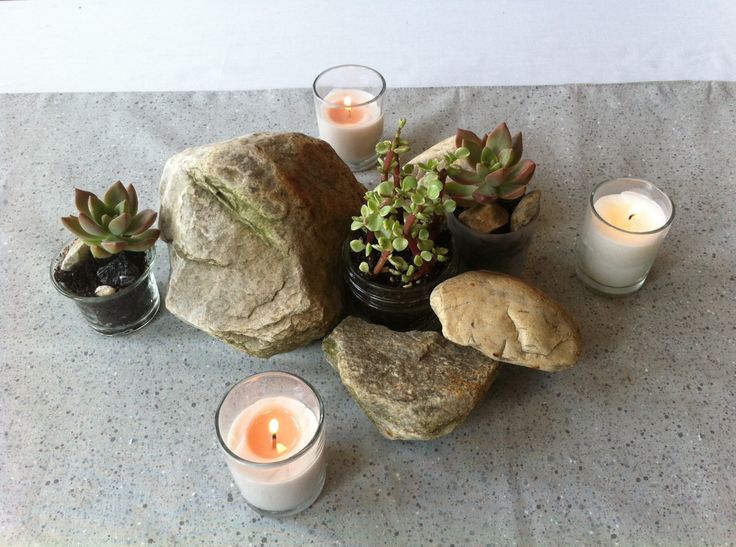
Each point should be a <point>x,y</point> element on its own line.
<point>351,123</point>
<point>626,222</point>
<point>271,429</point>
<point>348,102</point>
<point>270,426</point>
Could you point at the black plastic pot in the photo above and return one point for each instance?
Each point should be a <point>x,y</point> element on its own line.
<point>128,310</point>
<point>504,253</point>
<point>398,308</point>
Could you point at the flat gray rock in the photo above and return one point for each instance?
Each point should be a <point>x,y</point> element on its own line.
<point>412,385</point>
<point>254,227</point>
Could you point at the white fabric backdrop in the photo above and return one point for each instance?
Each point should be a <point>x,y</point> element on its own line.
<point>144,45</point>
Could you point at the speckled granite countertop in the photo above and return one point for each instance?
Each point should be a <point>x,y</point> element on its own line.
<point>112,440</point>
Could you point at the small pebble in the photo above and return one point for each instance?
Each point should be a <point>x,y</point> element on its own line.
<point>105,290</point>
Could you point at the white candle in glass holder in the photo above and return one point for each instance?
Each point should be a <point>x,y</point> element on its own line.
<point>621,234</point>
<point>271,428</point>
<point>351,123</point>
<point>269,431</point>
<point>348,100</point>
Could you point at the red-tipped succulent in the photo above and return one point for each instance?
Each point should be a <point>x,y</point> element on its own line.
<point>485,169</point>
<point>112,224</point>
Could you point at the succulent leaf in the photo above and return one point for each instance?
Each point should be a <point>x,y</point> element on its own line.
<point>518,148</point>
<point>144,244</point>
<point>475,150</point>
<point>90,226</point>
<point>98,252</point>
<point>96,208</point>
<point>523,172</point>
<point>115,194</point>
<point>484,198</point>
<point>71,223</point>
<point>132,199</point>
<point>400,243</point>
<point>145,219</point>
<point>114,247</point>
<point>467,136</point>
<point>505,156</point>
<point>511,191</point>
<point>499,138</point>
<point>119,224</point>
<point>456,189</point>
<point>81,200</point>
<point>497,178</point>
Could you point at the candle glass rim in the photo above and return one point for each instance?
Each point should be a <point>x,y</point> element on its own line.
<point>339,105</point>
<point>293,457</point>
<point>664,226</point>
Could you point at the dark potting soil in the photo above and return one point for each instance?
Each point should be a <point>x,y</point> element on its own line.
<point>117,271</point>
<point>384,277</point>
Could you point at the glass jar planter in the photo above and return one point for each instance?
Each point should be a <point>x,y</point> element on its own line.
<point>505,253</point>
<point>125,311</point>
<point>397,308</point>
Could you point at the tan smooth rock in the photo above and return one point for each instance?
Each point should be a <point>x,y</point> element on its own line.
<point>526,210</point>
<point>436,152</point>
<point>507,319</point>
<point>484,217</point>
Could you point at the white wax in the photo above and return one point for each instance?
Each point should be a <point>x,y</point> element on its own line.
<point>621,258</point>
<point>354,141</point>
<point>288,485</point>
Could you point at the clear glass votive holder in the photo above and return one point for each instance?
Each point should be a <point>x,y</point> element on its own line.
<point>625,224</point>
<point>278,485</point>
<point>348,100</point>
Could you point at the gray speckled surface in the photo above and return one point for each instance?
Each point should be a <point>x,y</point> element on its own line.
<point>112,440</point>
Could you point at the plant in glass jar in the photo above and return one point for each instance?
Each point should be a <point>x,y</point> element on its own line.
<point>400,248</point>
<point>107,270</point>
<point>496,217</point>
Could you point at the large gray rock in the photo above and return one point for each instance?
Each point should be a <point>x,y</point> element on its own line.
<point>412,385</point>
<point>254,227</point>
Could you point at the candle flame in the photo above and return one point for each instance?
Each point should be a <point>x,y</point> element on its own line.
<point>348,101</point>
<point>273,426</point>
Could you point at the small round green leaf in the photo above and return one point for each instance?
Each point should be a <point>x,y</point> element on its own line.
<point>400,243</point>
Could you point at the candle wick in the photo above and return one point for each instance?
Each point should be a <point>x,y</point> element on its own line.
<point>273,441</point>
<point>631,215</point>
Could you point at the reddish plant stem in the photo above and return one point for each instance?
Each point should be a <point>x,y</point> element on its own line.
<point>408,223</point>
<point>424,270</point>
<point>380,264</point>
<point>386,164</point>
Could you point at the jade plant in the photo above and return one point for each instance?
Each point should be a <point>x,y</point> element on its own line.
<point>402,218</point>
<point>483,170</point>
<point>112,224</point>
